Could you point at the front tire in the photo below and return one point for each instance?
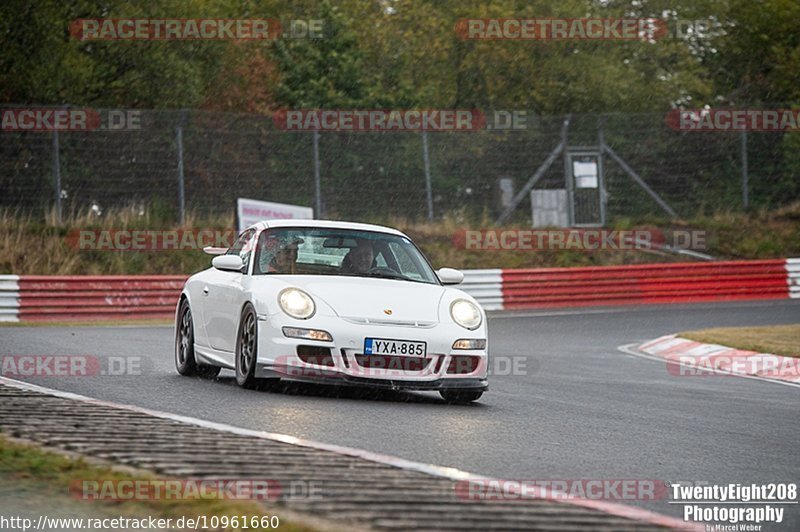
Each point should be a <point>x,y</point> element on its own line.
<point>460,397</point>
<point>247,349</point>
<point>185,362</point>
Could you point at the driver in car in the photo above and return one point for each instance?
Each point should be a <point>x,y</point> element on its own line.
<point>284,259</point>
<point>359,259</point>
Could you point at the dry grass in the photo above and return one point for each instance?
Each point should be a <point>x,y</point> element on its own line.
<point>33,246</point>
<point>774,339</point>
<point>36,245</point>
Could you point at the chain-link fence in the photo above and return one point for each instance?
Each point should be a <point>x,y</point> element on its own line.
<point>205,160</point>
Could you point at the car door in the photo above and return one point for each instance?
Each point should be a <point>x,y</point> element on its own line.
<point>224,296</point>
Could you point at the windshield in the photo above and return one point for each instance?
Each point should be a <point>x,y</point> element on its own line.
<point>320,251</point>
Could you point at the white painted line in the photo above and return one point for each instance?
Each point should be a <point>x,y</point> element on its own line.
<point>450,473</point>
<point>631,349</point>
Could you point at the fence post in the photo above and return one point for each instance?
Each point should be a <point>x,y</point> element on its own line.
<point>745,176</point>
<point>428,187</point>
<point>57,174</point>
<point>317,182</point>
<point>568,171</point>
<point>181,193</point>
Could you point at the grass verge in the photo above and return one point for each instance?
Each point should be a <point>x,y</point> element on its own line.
<point>774,339</point>
<point>49,475</point>
<point>33,246</point>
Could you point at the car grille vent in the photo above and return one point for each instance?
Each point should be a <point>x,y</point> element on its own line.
<point>396,323</point>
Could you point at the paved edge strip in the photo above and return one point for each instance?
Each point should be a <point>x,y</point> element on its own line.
<point>619,510</point>
<point>675,350</point>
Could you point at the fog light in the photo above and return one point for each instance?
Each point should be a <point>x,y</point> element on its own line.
<point>307,334</point>
<point>470,343</point>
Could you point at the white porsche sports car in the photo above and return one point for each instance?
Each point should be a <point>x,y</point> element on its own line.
<point>332,302</point>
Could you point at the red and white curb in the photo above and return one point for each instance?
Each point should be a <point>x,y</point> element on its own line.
<point>689,358</point>
<point>620,510</point>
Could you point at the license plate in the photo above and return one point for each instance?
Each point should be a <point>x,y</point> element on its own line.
<point>383,346</point>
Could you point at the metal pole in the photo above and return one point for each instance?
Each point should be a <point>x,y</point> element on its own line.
<point>181,196</point>
<point>745,176</point>
<point>568,172</point>
<point>428,188</point>
<point>601,141</point>
<point>57,175</point>
<point>317,182</point>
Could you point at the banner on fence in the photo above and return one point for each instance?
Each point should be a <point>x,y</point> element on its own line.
<point>250,211</point>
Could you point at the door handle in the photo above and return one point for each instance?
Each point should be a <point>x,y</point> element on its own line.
<point>205,291</point>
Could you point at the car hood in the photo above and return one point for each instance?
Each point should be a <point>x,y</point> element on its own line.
<point>375,299</point>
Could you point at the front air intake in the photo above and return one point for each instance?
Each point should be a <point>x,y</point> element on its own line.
<point>313,354</point>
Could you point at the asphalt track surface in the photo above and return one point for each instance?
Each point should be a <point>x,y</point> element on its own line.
<point>576,408</point>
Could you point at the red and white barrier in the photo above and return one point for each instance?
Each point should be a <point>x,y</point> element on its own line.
<point>634,284</point>
<point>793,272</point>
<point>75,298</point>
<point>9,297</point>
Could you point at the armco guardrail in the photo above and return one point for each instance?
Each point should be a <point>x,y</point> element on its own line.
<point>74,298</point>
<point>9,298</point>
<point>634,284</point>
<point>793,271</point>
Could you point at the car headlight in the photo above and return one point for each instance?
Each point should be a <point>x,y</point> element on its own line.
<point>296,303</point>
<point>465,313</point>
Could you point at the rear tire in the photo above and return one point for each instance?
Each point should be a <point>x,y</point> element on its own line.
<point>247,349</point>
<point>460,397</point>
<point>185,362</point>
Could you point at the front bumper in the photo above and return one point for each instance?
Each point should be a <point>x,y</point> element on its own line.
<point>340,379</point>
<point>346,366</point>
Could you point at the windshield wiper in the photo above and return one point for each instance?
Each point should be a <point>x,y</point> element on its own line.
<point>386,275</point>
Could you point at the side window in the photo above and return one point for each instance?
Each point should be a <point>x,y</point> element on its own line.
<point>243,246</point>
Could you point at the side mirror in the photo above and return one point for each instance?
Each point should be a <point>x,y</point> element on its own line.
<point>211,250</point>
<point>449,276</point>
<point>231,263</point>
